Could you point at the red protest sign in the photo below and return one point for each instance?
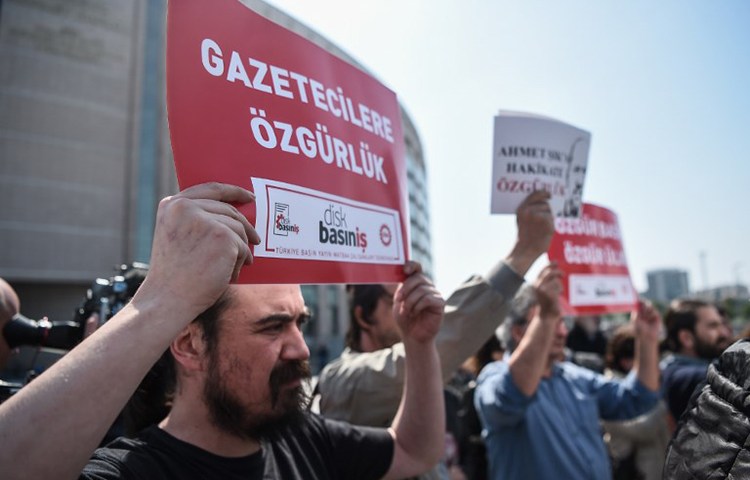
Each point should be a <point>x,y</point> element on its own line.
<point>589,250</point>
<point>318,140</point>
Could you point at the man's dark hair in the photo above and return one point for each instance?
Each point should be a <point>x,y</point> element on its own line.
<point>366,297</point>
<point>485,354</point>
<point>682,315</point>
<point>152,399</point>
<point>620,347</point>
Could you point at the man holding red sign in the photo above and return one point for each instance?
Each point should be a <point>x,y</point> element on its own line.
<point>239,358</point>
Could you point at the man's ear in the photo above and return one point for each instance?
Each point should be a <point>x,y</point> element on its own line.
<point>359,317</point>
<point>189,349</point>
<point>686,338</point>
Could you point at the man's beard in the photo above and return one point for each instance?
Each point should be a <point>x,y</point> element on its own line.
<point>388,339</point>
<point>709,351</point>
<point>287,406</point>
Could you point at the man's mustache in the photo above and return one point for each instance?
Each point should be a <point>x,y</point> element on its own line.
<point>285,373</point>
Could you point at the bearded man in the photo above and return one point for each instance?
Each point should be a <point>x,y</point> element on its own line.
<point>238,359</point>
<point>696,334</point>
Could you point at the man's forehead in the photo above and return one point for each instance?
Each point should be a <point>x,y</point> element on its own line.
<point>264,300</point>
<point>709,314</point>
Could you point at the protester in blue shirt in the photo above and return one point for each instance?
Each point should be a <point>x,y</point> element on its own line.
<point>540,414</point>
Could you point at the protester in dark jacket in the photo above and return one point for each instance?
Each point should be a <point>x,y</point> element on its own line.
<point>712,438</point>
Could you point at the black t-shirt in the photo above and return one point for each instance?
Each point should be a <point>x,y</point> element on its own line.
<point>317,449</point>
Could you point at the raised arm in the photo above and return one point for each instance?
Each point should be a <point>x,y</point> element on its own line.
<point>479,306</point>
<point>419,427</point>
<point>531,358</point>
<point>647,323</point>
<point>66,411</point>
<point>536,226</point>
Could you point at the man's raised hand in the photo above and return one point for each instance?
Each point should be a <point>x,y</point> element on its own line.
<point>417,306</point>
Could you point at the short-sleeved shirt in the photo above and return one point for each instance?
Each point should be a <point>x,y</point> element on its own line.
<point>316,449</point>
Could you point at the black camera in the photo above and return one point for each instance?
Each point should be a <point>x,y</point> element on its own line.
<point>25,331</point>
<point>106,297</point>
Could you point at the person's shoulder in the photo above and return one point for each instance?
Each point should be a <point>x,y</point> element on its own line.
<point>686,367</point>
<point>331,367</point>
<point>120,459</point>
<point>574,372</point>
<point>337,367</point>
<point>308,425</point>
<point>351,363</point>
<point>568,366</point>
<point>678,361</point>
<point>311,425</point>
<point>121,446</point>
<point>492,369</point>
<point>734,363</point>
<point>318,432</point>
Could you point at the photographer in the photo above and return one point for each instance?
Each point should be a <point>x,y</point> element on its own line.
<point>104,298</point>
<point>9,306</point>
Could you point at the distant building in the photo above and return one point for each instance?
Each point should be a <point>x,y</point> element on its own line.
<point>720,294</point>
<point>667,284</point>
<point>84,145</point>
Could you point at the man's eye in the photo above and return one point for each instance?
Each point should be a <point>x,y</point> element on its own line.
<point>274,327</point>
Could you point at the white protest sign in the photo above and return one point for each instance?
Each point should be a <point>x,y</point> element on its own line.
<point>532,152</point>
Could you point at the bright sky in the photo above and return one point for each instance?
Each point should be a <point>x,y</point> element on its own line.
<point>664,88</point>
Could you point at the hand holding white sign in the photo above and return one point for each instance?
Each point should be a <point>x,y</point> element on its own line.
<point>536,226</point>
<point>532,152</point>
<point>548,289</point>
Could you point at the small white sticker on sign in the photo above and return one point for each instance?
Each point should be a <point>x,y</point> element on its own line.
<point>600,290</point>
<point>295,222</point>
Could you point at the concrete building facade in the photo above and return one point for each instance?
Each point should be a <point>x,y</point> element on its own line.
<point>84,150</point>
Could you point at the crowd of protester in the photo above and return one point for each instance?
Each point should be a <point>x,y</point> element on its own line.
<point>211,379</point>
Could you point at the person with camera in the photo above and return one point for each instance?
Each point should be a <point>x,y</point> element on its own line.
<point>9,306</point>
<point>103,299</point>
<point>239,359</point>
